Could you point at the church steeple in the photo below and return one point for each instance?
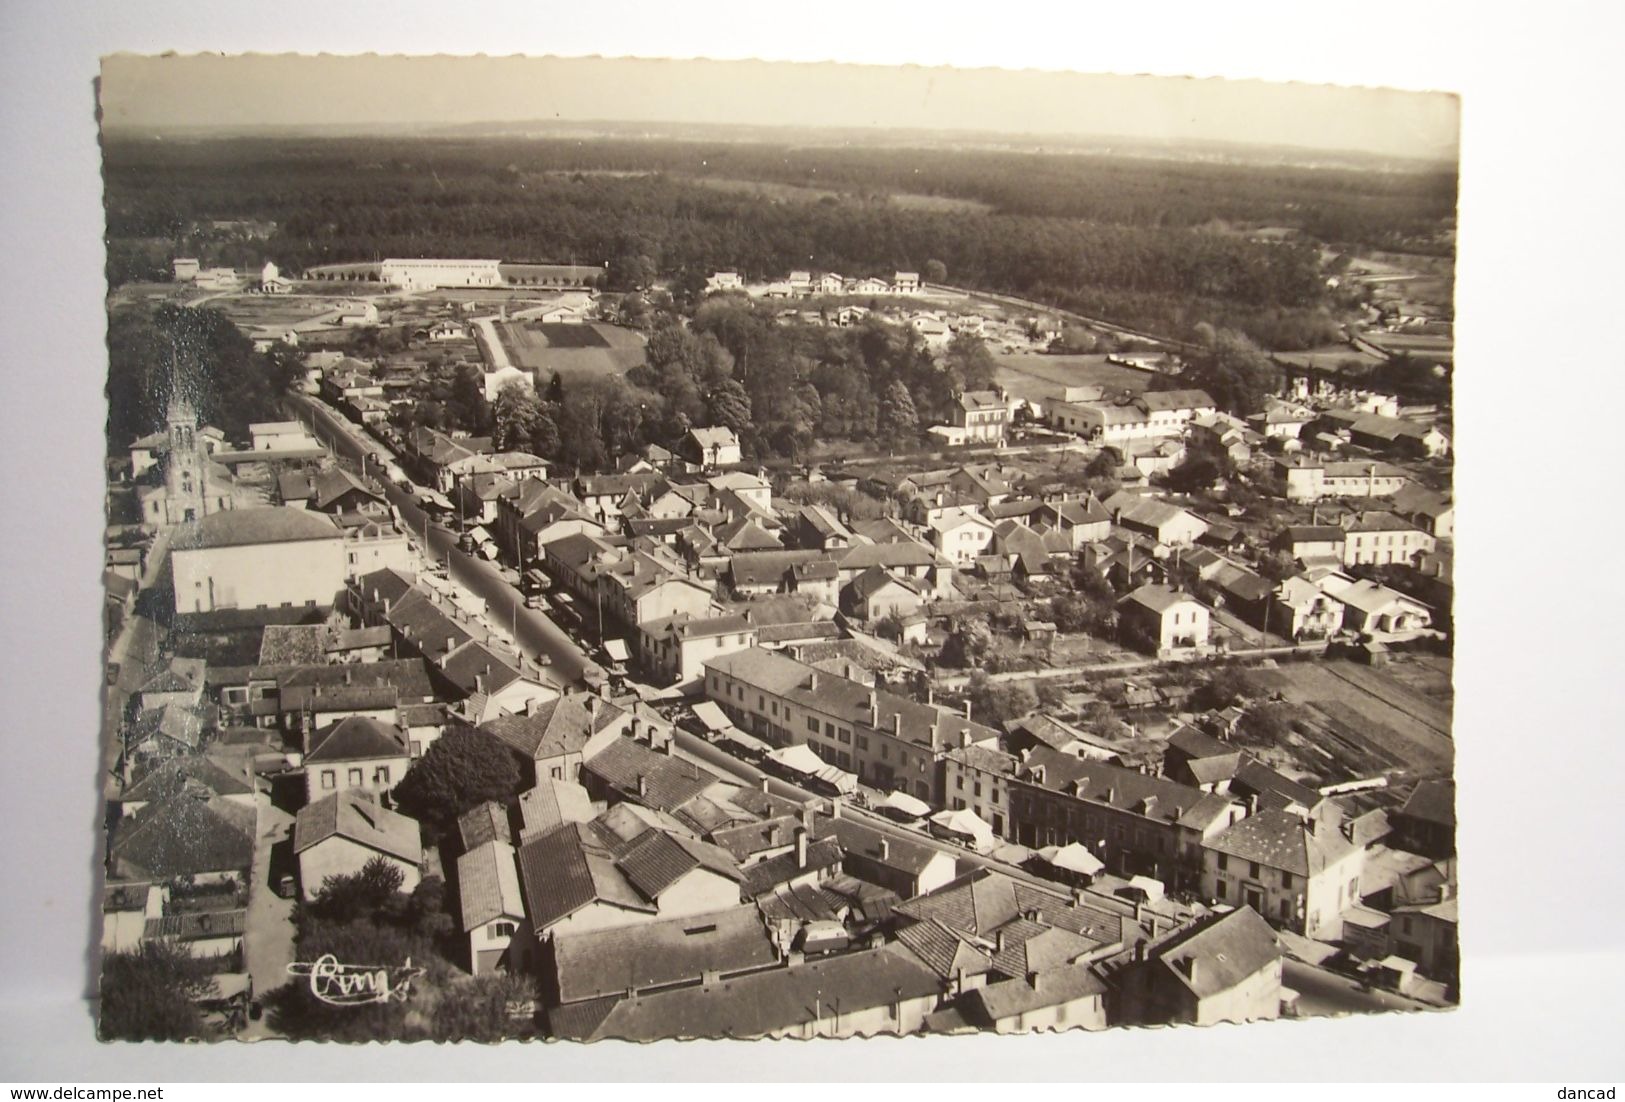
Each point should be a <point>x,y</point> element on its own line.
<point>185,467</point>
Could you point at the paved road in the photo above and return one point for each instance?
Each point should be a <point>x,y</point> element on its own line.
<point>268,934</point>
<point>492,344</point>
<point>1321,992</point>
<point>536,635</point>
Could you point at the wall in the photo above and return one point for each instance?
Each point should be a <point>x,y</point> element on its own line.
<point>370,782</point>
<point>1088,1012</point>
<point>306,572</point>
<point>338,856</point>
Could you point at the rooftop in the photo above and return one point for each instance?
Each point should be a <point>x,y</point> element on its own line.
<point>354,815</point>
<point>253,527</point>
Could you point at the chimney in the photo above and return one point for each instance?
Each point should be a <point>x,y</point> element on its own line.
<point>479,682</point>
<point>930,693</point>
<point>885,849</point>
<point>874,710</point>
<point>801,849</point>
<point>349,676</point>
<point>812,681</point>
<point>668,744</point>
<point>897,724</point>
<point>643,786</point>
<point>764,784</point>
<point>773,834</point>
<point>1140,952</point>
<point>1035,981</point>
<point>808,818</point>
<point>1192,968</point>
<point>1077,897</point>
<point>451,644</point>
<point>967,709</point>
<point>835,809</point>
<point>998,941</point>
<point>592,706</point>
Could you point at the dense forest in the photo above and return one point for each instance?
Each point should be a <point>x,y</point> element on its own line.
<point>1130,239</point>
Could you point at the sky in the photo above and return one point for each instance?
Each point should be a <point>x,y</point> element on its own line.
<point>245,91</point>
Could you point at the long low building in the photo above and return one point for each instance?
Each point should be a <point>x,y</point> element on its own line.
<point>889,741</point>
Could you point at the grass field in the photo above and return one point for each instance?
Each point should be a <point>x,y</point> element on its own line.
<point>592,349</point>
<point>1366,721</point>
<point>1037,376</point>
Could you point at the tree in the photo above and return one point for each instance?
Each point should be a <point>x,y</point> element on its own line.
<point>151,993</point>
<point>489,1008</point>
<point>372,894</point>
<point>1234,371</point>
<point>995,702</point>
<point>730,406</point>
<point>967,645</point>
<point>464,768</point>
<point>1227,686</point>
<point>898,422</point>
<point>970,362</point>
<point>934,271</point>
<point>515,416</point>
<point>1269,723</point>
<point>1074,340</point>
<point>1198,471</point>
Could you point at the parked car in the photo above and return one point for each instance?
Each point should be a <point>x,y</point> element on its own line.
<point>285,886</point>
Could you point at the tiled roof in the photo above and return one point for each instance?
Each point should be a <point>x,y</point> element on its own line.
<point>555,728</point>
<point>1282,840</point>
<point>169,778</point>
<point>858,839</point>
<point>667,782</point>
<point>353,814</point>
<point>774,1000</point>
<point>1175,399</point>
<point>356,738</point>
<point>551,804</point>
<point>184,835</point>
<point>488,885</point>
<point>766,875</point>
<point>1154,798</point>
<point>1226,951</point>
<point>1432,802</point>
<point>943,951</point>
<point>659,954</point>
<point>252,527</point>
<point>1000,1001</point>
<point>1159,598</point>
<point>485,823</point>
<point>570,868</point>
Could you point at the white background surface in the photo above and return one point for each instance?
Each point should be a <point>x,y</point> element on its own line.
<point>1538,419</point>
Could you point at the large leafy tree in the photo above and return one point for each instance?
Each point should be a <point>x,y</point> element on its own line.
<point>899,422</point>
<point>1234,371</point>
<point>464,768</point>
<point>970,363</point>
<point>730,406</point>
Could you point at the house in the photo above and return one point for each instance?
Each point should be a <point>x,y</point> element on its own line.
<point>673,649</point>
<point>492,908</point>
<point>282,436</point>
<point>194,775</point>
<point>494,682</point>
<point>724,281</point>
<point>978,778</point>
<point>1301,610</point>
<point>875,595</point>
<point>1299,872</point>
<point>1432,512</point>
<point>593,971</point>
<point>1154,415</point>
<point>1376,610</point>
<point>1169,525</point>
<point>208,838</point>
<point>1426,823</point>
<point>1163,621</point>
<point>961,536</point>
<point>355,753</point>
<point>815,528</point>
<point>1084,520</point>
<point>553,738</point>
<point>551,804</point>
<point>890,741</point>
<point>709,448</point>
<point>1378,538</point>
<point>1225,967</point>
<point>1136,824</point>
<point>257,558</point>
<point>1312,544</point>
<point>882,991</point>
<point>753,488</point>
<point>581,877</point>
<point>982,416</point>
<point>339,834</point>
<point>905,283</point>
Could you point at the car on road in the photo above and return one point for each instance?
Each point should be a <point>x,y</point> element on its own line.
<point>465,543</point>
<point>405,486</point>
<point>112,673</point>
<point>535,601</point>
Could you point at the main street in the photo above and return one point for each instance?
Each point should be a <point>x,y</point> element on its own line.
<point>537,636</point>
<point>1322,992</point>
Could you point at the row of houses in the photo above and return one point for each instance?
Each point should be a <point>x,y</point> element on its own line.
<point>801,284</point>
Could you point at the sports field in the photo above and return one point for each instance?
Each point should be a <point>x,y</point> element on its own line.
<point>590,349</point>
<point>1039,376</point>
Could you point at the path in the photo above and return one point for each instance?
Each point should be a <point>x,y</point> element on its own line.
<point>268,932</point>
<point>959,681</point>
<point>496,354</point>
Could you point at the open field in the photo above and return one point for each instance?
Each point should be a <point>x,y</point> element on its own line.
<point>591,349</point>
<point>277,310</point>
<point>1368,720</point>
<point>1038,376</point>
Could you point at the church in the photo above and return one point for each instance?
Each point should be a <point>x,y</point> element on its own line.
<point>183,483</point>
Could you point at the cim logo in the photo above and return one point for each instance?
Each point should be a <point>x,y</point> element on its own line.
<point>356,984</point>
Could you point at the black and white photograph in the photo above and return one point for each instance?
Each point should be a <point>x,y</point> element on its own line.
<point>833,545</point>
<point>658,576</point>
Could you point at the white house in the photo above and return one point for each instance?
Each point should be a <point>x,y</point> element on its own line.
<point>493,909</point>
<point>339,834</point>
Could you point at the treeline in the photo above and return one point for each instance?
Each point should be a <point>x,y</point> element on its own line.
<point>201,353</point>
<point>1339,206</point>
<point>342,203</point>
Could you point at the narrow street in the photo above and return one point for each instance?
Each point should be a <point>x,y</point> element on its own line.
<point>537,636</point>
<point>268,932</point>
<point>1321,992</point>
